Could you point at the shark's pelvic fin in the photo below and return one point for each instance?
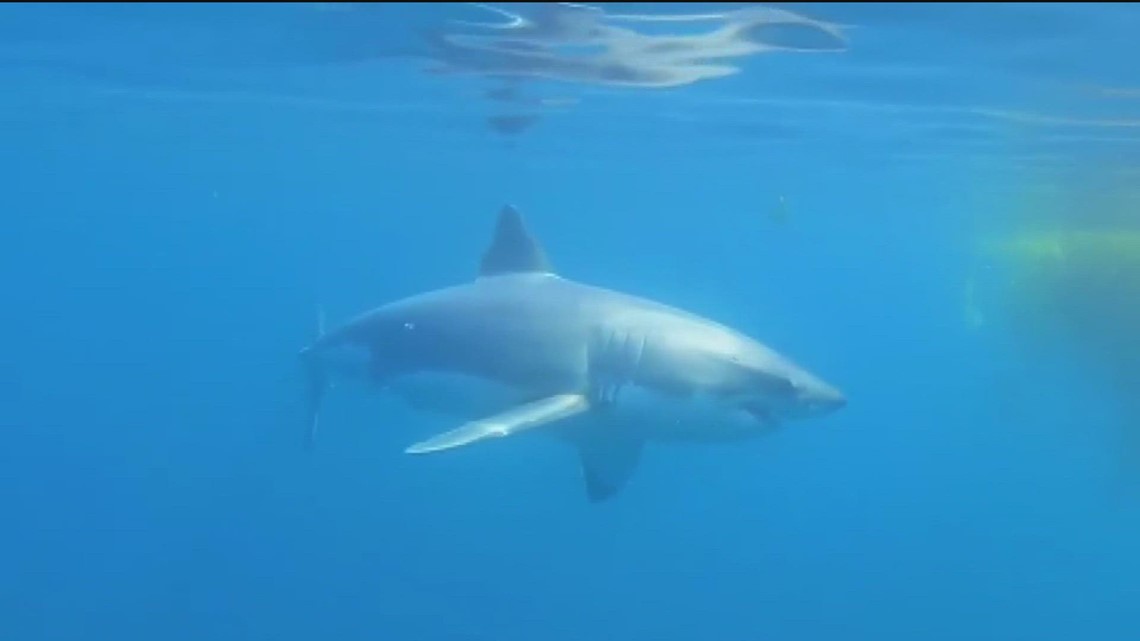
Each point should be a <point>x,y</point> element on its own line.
<point>513,249</point>
<point>512,421</point>
<point>608,459</point>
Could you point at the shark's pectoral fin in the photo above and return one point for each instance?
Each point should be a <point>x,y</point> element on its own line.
<point>512,421</point>
<point>317,383</point>
<point>608,460</point>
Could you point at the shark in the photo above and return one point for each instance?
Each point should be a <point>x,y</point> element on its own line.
<point>522,349</point>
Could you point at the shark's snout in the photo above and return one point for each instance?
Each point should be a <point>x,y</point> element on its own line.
<point>828,400</point>
<point>831,402</point>
<point>817,398</point>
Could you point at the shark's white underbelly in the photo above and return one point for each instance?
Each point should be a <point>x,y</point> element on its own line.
<point>456,395</point>
<point>653,416</point>
<point>660,417</point>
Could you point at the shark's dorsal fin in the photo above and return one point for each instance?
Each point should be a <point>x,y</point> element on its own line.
<point>513,249</point>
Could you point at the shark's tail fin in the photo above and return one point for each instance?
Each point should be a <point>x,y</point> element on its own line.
<point>316,380</point>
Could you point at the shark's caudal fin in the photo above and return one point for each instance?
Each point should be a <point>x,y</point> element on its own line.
<point>316,381</point>
<point>513,249</point>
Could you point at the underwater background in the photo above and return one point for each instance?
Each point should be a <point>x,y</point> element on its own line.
<point>934,206</point>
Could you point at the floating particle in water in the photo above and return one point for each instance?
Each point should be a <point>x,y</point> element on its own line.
<point>779,213</point>
<point>507,94</point>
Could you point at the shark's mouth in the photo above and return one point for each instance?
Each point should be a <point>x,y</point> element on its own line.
<point>763,415</point>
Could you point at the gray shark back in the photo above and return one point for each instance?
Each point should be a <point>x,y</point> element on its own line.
<point>547,333</point>
<point>513,328</point>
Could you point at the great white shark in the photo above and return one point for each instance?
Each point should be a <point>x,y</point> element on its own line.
<point>521,348</point>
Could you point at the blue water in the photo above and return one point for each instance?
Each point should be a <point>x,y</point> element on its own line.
<point>185,185</point>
